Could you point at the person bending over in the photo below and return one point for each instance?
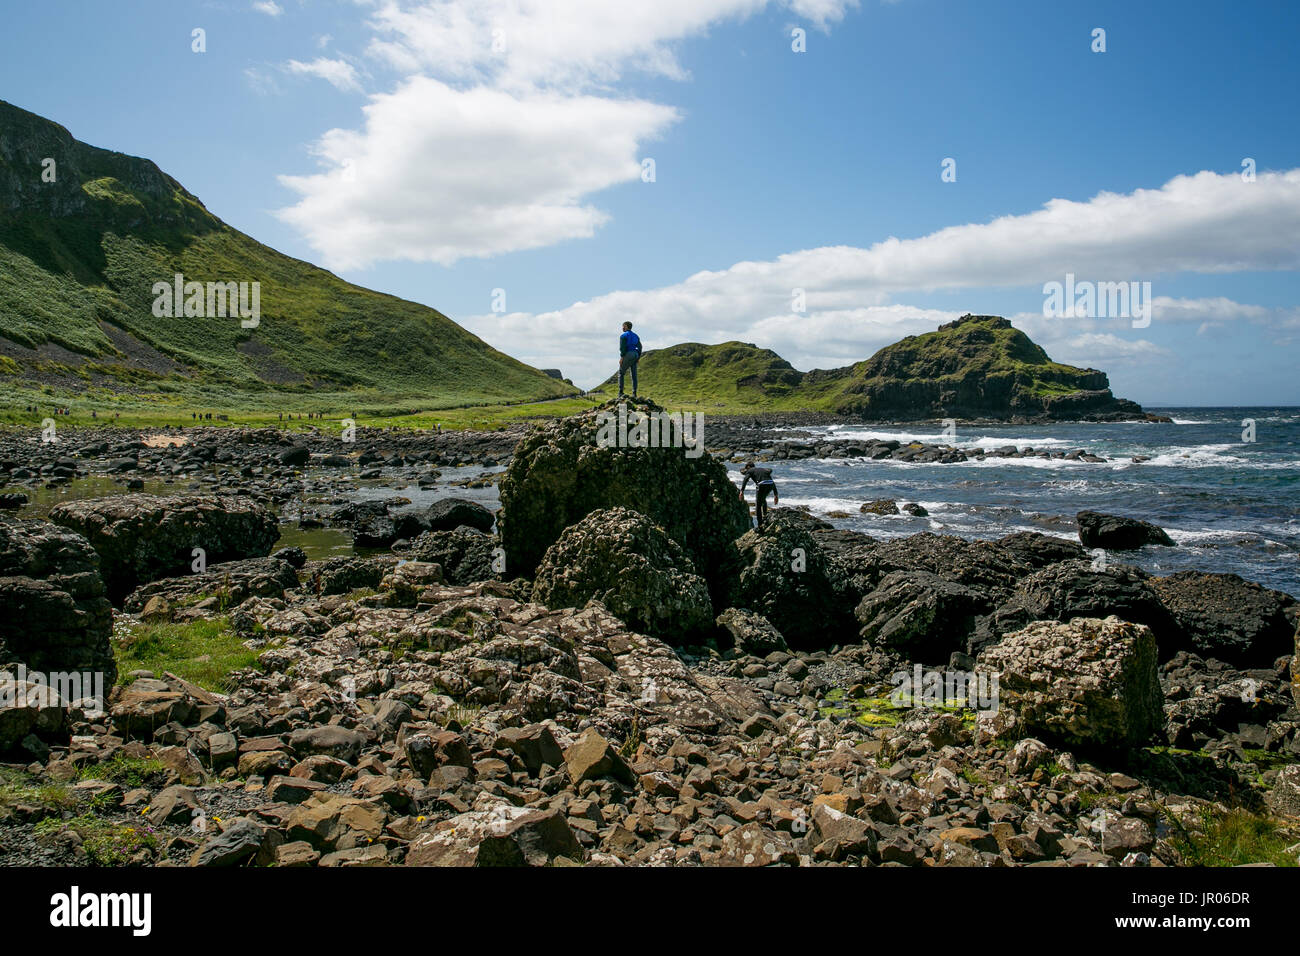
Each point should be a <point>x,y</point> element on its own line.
<point>763,486</point>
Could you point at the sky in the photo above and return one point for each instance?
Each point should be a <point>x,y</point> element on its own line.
<point>818,177</point>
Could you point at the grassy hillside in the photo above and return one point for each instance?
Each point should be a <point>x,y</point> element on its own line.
<point>977,366</point>
<point>78,261</point>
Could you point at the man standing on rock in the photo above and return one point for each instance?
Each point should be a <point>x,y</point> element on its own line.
<point>629,353</point>
<point>763,486</point>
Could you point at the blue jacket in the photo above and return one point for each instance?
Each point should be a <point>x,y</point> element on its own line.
<point>629,342</point>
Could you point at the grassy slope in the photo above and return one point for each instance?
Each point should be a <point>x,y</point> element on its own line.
<point>80,256</point>
<point>736,377</point>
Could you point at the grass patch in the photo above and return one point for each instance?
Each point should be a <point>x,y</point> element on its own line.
<point>129,772</point>
<point>1231,838</point>
<point>202,652</point>
<point>105,843</point>
<point>18,788</point>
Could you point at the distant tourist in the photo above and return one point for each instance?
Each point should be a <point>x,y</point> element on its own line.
<point>629,353</point>
<point>763,486</point>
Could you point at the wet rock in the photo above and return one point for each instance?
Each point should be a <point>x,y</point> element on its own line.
<point>140,538</point>
<point>881,506</point>
<point>787,578</point>
<point>1115,533</point>
<point>448,514</point>
<point>1229,618</point>
<point>621,559</point>
<point>1037,550</point>
<point>920,614</point>
<point>1090,682</point>
<point>1071,589</point>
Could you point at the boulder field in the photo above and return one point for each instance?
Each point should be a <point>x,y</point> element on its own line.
<point>618,669</point>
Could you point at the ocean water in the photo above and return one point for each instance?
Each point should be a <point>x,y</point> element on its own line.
<point>1231,505</point>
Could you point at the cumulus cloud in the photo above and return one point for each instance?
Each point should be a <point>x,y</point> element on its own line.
<point>503,125</point>
<point>269,7</point>
<point>524,43</point>
<point>340,74</point>
<point>1203,223</point>
<point>438,174</point>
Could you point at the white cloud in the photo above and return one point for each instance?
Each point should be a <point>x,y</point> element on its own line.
<point>438,174</point>
<point>1202,223</point>
<point>340,74</point>
<point>502,127</point>
<point>269,7</point>
<point>523,43</point>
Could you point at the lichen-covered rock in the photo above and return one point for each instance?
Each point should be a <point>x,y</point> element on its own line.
<point>1071,589</point>
<point>751,633</point>
<point>1098,530</point>
<point>623,560</point>
<point>1229,618</point>
<point>467,556</point>
<point>54,616</point>
<point>343,574</point>
<point>559,474</point>
<point>141,538</point>
<point>1087,683</point>
<point>233,582</point>
<point>787,578</point>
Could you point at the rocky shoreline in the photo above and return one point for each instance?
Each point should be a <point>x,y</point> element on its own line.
<point>613,669</point>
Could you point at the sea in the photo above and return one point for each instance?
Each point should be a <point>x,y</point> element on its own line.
<point>1232,504</point>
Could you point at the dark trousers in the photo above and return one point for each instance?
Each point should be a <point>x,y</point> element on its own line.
<point>625,363</point>
<point>764,489</point>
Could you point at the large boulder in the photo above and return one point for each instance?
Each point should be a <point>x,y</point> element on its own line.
<point>1087,683</point>
<point>1070,589</point>
<point>233,582</point>
<point>787,578</point>
<point>1038,550</point>
<point>620,558</point>
<point>141,538</point>
<point>447,514</point>
<point>564,470</point>
<point>1098,530</point>
<point>54,615</point>
<point>921,615</point>
<point>1226,617</point>
<point>466,555</point>
<point>984,566</point>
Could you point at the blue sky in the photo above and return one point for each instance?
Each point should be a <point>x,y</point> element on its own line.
<point>443,149</point>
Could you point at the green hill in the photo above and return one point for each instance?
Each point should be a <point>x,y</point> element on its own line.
<point>79,258</point>
<point>978,366</point>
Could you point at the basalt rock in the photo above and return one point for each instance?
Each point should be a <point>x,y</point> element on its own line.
<point>1087,683</point>
<point>621,559</point>
<point>141,538</point>
<point>54,615</point>
<point>560,473</point>
<point>921,615</point>
<point>787,578</point>
<point>1224,616</point>
<point>232,583</point>
<point>1115,533</point>
<point>467,556</point>
<point>1071,589</point>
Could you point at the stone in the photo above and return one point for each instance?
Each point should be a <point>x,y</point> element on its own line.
<point>237,844</point>
<point>140,538</point>
<point>504,835</point>
<point>1115,533</point>
<point>623,560</point>
<point>592,757</point>
<point>1091,682</point>
<point>751,633</point>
